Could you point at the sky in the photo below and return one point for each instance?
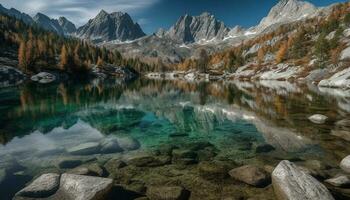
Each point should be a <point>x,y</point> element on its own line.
<point>154,14</point>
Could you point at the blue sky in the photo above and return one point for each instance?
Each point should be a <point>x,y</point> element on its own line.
<point>153,14</point>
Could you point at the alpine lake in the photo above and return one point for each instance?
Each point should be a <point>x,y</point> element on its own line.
<point>172,133</point>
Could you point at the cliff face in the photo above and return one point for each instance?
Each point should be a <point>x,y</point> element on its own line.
<point>113,26</point>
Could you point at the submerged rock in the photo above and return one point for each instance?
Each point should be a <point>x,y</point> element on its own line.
<point>44,186</point>
<point>290,182</point>
<point>210,170</point>
<point>79,187</point>
<point>89,170</point>
<point>110,145</point>
<point>69,163</point>
<point>113,165</point>
<point>318,119</point>
<point>345,164</point>
<point>264,148</point>
<point>167,193</point>
<point>339,181</point>
<point>251,175</point>
<point>43,77</point>
<point>184,157</point>
<point>128,143</point>
<point>85,149</point>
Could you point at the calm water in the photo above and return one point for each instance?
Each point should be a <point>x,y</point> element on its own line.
<point>39,123</point>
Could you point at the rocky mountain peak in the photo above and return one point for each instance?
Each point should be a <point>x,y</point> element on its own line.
<point>190,29</point>
<point>48,24</point>
<point>287,11</point>
<point>67,26</point>
<point>17,14</point>
<point>113,26</point>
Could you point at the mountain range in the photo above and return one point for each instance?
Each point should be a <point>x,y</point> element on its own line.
<point>117,30</point>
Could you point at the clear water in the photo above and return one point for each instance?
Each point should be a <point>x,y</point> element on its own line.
<point>38,123</point>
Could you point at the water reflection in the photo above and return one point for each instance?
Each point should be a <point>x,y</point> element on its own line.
<point>39,125</point>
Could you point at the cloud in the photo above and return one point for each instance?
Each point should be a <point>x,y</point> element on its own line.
<point>79,11</point>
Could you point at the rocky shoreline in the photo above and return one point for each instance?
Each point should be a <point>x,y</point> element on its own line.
<point>326,78</point>
<point>97,181</point>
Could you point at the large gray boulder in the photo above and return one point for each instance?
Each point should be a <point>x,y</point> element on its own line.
<point>79,187</point>
<point>292,183</point>
<point>345,164</point>
<point>85,149</point>
<point>44,186</point>
<point>167,193</point>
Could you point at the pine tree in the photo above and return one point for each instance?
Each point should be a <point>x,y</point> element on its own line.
<point>63,58</point>
<point>203,61</point>
<point>22,56</point>
<point>281,53</point>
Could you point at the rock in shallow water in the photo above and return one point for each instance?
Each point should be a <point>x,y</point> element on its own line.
<point>128,143</point>
<point>318,119</point>
<point>69,163</point>
<point>345,164</point>
<point>251,175</point>
<point>167,193</point>
<point>110,145</point>
<point>44,186</point>
<point>79,187</point>
<point>113,165</point>
<point>289,182</point>
<point>43,77</point>
<point>339,181</point>
<point>85,149</point>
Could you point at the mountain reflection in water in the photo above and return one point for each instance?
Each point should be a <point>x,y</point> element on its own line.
<point>38,123</point>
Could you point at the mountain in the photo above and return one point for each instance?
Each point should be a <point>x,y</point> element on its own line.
<point>48,24</point>
<point>67,26</point>
<point>286,11</point>
<point>108,27</point>
<point>190,29</point>
<point>17,14</point>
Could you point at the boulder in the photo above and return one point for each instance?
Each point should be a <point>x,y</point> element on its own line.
<point>345,164</point>
<point>10,76</point>
<point>339,181</point>
<point>184,157</point>
<point>110,145</point>
<point>144,159</point>
<point>345,54</point>
<point>167,193</point>
<point>43,77</point>
<point>90,170</point>
<point>44,186</point>
<point>290,182</point>
<point>113,165</point>
<point>69,163</point>
<point>85,149</point>
<point>251,175</point>
<point>128,143</point>
<point>210,170</point>
<point>80,187</point>
<point>318,119</point>
<point>264,148</point>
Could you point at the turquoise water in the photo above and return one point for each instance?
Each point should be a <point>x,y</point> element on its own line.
<point>40,123</point>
